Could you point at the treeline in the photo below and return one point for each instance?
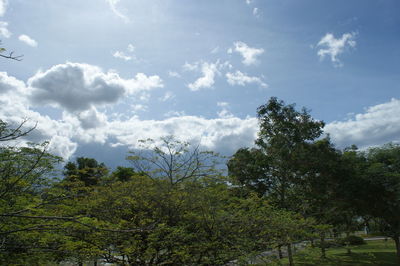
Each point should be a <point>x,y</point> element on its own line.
<point>174,205</point>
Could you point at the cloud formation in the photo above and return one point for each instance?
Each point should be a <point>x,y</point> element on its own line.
<point>77,87</point>
<point>113,6</point>
<point>241,79</point>
<point>208,70</point>
<point>333,47</point>
<point>4,32</point>
<point>248,53</point>
<point>379,124</point>
<point>3,7</point>
<point>28,40</point>
<point>122,55</point>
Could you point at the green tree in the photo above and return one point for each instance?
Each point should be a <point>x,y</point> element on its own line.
<point>86,170</point>
<point>24,179</point>
<point>284,132</point>
<point>382,193</point>
<point>250,169</point>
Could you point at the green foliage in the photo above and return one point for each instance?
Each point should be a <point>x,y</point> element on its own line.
<point>352,240</point>
<point>86,170</point>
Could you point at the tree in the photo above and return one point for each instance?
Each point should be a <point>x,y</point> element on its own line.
<point>250,169</point>
<point>382,191</point>
<point>86,170</point>
<point>24,178</point>
<point>174,161</point>
<point>8,134</point>
<point>284,133</point>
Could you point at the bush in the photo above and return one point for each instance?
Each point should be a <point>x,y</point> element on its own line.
<point>329,244</point>
<point>352,240</point>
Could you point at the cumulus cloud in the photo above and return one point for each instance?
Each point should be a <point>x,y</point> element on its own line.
<point>28,40</point>
<point>78,87</point>
<point>241,79</point>
<point>122,55</point>
<point>379,124</point>
<point>113,6</point>
<point>248,53</point>
<point>224,112</point>
<point>174,113</point>
<point>4,32</point>
<point>208,70</point>
<point>174,74</point>
<point>3,7</point>
<point>66,134</point>
<point>333,47</point>
<point>8,84</point>
<point>221,134</point>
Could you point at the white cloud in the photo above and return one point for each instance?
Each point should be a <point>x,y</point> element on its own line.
<point>256,12</point>
<point>3,7</point>
<point>241,79</point>
<point>249,2</point>
<point>209,71</point>
<point>224,112</point>
<point>174,113</point>
<point>190,67</point>
<point>92,118</point>
<point>4,32</point>
<point>379,124</point>
<point>131,48</point>
<point>91,126</point>
<point>167,96</point>
<point>77,87</point>
<point>28,40</point>
<point>12,84</point>
<point>174,74</point>
<point>249,54</point>
<point>221,134</point>
<point>222,104</point>
<point>334,47</point>
<point>215,50</point>
<point>122,55</point>
<point>113,6</point>
<point>139,108</point>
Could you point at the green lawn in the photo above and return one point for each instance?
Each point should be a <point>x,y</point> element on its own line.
<point>376,252</point>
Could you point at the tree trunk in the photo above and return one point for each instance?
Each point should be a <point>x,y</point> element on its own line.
<point>323,253</point>
<point>280,252</point>
<point>397,241</point>
<point>290,255</point>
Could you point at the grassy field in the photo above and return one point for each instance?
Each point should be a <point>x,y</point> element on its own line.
<point>376,252</point>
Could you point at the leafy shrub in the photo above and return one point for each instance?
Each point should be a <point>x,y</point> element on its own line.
<point>352,240</point>
<point>328,244</point>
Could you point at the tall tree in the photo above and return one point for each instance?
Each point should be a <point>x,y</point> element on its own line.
<point>284,132</point>
<point>382,193</point>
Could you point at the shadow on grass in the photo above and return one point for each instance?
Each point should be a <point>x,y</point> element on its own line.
<point>368,258</point>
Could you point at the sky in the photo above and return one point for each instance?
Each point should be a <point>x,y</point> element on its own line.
<point>99,75</point>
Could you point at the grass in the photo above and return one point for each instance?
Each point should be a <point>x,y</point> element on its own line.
<point>376,252</point>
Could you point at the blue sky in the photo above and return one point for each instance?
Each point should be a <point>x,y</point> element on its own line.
<point>98,75</point>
